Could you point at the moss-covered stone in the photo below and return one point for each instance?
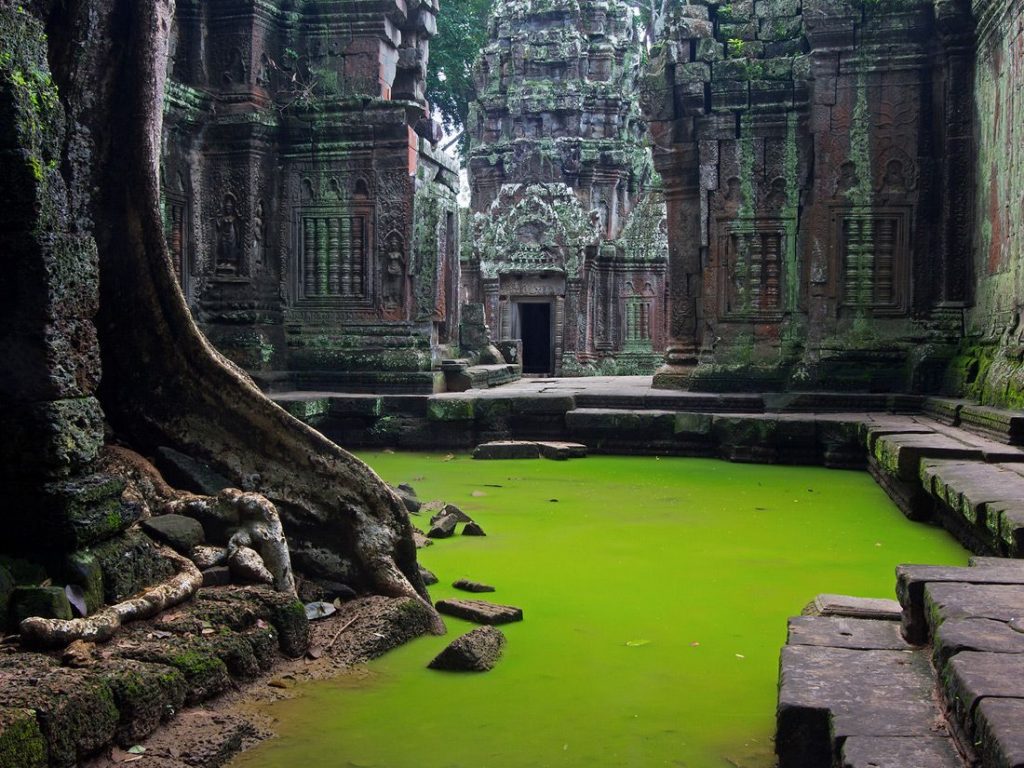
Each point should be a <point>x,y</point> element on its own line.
<point>83,569</point>
<point>450,409</point>
<point>48,602</point>
<point>145,695</point>
<point>130,563</point>
<point>21,742</point>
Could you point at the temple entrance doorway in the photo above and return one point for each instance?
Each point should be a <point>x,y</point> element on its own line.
<point>532,324</point>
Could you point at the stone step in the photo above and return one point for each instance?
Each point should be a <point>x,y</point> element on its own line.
<point>989,498</point>
<point>858,706</point>
<point>913,580</point>
<point>1004,425</point>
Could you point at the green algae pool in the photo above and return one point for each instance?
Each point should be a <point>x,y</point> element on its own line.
<point>655,594</point>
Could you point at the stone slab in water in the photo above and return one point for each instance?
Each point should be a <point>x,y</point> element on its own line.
<point>999,738</point>
<point>828,694</point>
<point>475,586</point>
<point>844,632</point>
<point>975,634</point>
<point>476,651</point>
<point>507,449</point>
<point>901,455</point>
<point>443,527</point>
<point>479,611</point>
<point>560,450</point>
<point>899,752</point>
<point>972,676</point>
<point>857,607</point>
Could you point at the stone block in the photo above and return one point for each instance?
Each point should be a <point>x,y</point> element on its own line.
<point>450,409</point>
<point>131,562</point>
<point>827,695</point>
<point>476,651</point>
<point>47,602</point>
<point>82,568</point>
<point>999,739</point>
<point>899,752</point>
<point>21,742</point>
<point>189,474</point>
<point>55,439</point>
<point>857,607</point>
<point>507,449</point>
<point>559,450</point>
<point>692,425</point>
<point>900,455</point>
<point>912,580</point>
<point>974,634</point>
<point>81,511</point>
<point>845,632</point>
<point>479,611</point>
<point>145,696</point>
<point>180,533</point>
<point>467,585</point>
<point>972,676</point>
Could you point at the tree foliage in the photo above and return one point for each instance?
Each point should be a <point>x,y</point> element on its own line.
<point>461,36</point>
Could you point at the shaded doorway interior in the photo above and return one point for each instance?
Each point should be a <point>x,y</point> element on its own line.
<point>533,323</point>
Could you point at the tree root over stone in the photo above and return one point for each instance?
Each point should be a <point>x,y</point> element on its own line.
<point>101,626</point>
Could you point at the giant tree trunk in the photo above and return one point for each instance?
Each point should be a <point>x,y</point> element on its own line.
<point>163,383</point>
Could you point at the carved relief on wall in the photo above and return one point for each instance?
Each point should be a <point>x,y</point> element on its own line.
<point>332,255</point>
<point>752,274</point>
<point>638,311</point>
<point>872,259</point>
<point>393,271</point>
<point>228,260</point>
<point>259,240</point>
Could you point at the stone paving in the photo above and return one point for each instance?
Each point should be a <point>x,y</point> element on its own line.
<point>935,680</point>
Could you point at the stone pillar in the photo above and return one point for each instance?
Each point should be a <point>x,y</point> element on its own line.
<point>685,281</point>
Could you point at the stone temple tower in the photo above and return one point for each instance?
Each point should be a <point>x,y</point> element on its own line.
<point>567,249</point>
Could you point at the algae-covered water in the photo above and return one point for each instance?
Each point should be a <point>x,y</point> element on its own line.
<point>655,595</point>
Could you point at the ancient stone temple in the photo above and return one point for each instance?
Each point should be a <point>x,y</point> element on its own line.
<point>310,218</point>
<point>568,249</point>
<point>817,162</point>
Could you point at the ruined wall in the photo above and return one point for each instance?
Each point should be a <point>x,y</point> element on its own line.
<point>811,153</point>
<point>558,172</point>
<point>991,366</point>
<point>297,161</point>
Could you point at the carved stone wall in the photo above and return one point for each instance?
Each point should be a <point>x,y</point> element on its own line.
<point>991,364</point>
<point>306,209</point>
<point>558,173</point>
<point>809,151</point>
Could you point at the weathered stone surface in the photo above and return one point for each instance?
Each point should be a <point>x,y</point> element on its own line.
<point>972,676</point>
<point>507,449</point>
<point>560,451</point>
<point>843,632</point>
<point>999,739</point>
<point>476,651</point>
<point>420,540</point>
<point>857,607</point>
<point>428,576</point>
<point>130,563</point>
<point>466,585</point>
<point>182,534</point>
<point>899,752</point>
<point>975,634</point>
<point>828,694</point>
<point>188,474</point>
<point>21,743</point>
<point>443,527</point>
<point>145,696</point>
<point>446,510</point>
<point>217,576</point>
<point>409,498</point>
<point>473,529</point>
<point>945,601</point>
<point>479,611</point>
<point>48,602</point>
<point>911,581</point>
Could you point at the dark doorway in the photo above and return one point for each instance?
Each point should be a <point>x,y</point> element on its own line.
<point>535,331</point>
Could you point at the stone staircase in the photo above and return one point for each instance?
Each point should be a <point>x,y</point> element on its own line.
<point>937,682</point>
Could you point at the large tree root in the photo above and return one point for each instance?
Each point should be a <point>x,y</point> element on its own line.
<point>256,524</point>
<point>101,626</point>
<point>163,383</point>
